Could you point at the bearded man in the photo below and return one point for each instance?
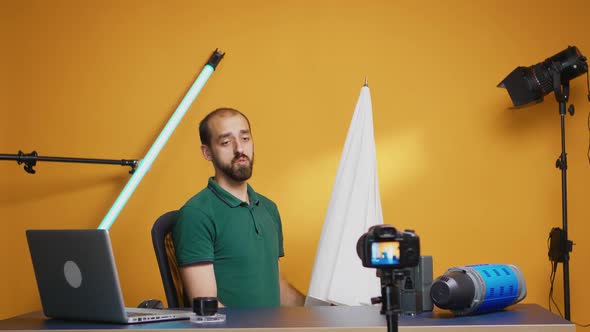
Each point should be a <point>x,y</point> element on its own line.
<point>228,238</point>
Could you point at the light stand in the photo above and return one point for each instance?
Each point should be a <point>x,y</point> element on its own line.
<point>561,91</point>
<point>530,84</point>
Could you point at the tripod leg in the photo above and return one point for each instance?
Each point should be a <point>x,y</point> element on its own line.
<point>391,322</point>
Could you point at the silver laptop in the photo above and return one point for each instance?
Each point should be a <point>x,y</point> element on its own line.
<point>77,278</point>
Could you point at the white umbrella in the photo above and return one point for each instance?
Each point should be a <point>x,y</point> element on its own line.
<point>338,276</point>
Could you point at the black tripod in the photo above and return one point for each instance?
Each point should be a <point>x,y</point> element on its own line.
<point>561,246</point>
<point>390,297</point>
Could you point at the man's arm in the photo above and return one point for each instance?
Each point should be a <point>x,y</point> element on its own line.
<point>290,296</point>
<point>199,281</point>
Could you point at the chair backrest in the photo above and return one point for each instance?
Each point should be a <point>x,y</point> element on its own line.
<point>164,249</point>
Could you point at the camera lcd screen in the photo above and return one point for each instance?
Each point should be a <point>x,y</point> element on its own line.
<point>385,253</point>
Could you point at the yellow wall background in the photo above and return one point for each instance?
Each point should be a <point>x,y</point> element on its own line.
<point>476,180</point>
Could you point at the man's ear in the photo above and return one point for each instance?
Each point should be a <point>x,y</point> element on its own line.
<point>206,152</point>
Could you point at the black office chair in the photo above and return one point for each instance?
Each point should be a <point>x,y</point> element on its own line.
<point>164,249</point>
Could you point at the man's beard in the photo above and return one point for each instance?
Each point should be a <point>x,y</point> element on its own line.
<point>233,170</point>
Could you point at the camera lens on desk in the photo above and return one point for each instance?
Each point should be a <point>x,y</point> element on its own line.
<point>205,306</point>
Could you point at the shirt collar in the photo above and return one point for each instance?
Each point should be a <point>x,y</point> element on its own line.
<point>230,199</point>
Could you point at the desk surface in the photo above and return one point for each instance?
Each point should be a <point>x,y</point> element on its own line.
<point>520,317</point>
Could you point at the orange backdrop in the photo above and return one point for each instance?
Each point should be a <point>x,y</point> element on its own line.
<point>476,180</point>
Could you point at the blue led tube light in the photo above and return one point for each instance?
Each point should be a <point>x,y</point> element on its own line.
<point>146,163</point>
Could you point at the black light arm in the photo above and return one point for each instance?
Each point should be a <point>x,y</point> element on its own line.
<point>30,160</point>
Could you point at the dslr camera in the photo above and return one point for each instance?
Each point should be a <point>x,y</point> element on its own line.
<point>384,247</point>
<point>396,256</point>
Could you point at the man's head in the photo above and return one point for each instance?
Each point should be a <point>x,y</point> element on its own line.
<point>226,140</point>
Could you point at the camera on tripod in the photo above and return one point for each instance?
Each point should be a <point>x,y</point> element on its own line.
<point>396,256</point>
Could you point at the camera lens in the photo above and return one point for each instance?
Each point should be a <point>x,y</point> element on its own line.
<point>205,306</point>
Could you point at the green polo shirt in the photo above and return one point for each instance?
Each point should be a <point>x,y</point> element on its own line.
<point>243,241</point>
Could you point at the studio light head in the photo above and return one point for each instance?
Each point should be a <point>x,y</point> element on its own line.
<point>531,84</point>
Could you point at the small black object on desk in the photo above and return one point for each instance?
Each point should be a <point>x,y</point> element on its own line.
<point>205,309</point>
<point>205,306</point>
